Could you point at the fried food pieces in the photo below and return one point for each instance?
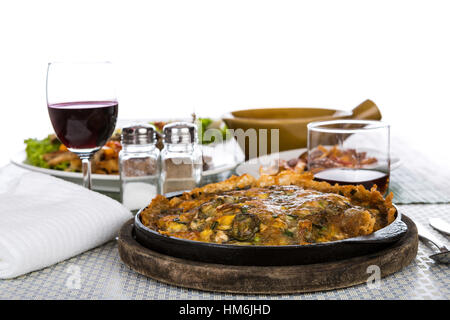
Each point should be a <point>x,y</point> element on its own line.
<point>284,209</point>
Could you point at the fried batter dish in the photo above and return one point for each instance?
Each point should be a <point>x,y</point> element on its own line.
<point>286,209</point>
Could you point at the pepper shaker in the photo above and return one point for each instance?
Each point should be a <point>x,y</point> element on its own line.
<point>181,158</point>
<point>139,165</point>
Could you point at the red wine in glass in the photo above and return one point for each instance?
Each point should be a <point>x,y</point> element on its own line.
<point>83,107</point>
<point>84,124</point>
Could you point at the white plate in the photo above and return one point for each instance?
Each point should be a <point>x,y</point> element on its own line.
<point>100,182</point>
<point>226,157</point>
<point>252,166</point>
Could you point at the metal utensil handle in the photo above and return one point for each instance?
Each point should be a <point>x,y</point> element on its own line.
<point>425,235</point>
<point>440,225</point>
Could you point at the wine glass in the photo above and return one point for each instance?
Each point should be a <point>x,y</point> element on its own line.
<point>350,152</point>
<point>83,107</point>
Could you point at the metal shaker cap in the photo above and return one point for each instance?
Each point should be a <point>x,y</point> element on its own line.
<point>180,132</point>
<point>139,134</point>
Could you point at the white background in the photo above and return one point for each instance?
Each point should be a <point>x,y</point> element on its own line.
<point>174,57</point>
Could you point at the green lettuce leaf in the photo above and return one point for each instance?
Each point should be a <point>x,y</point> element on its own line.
<point>204,124</point>
<point>35,149</point>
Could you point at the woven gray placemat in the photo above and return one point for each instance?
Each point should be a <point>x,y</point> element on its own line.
<point>102,275</point>
<point>419,178</point>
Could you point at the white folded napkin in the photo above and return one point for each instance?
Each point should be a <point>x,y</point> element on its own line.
<point>44,220</point>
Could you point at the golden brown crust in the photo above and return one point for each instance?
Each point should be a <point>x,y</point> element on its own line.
<point>232,183</point>
<point>348,210</point>
<point>360,194</point>
<point>305,180</point>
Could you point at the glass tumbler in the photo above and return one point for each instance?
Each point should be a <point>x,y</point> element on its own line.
<point>350,152</point>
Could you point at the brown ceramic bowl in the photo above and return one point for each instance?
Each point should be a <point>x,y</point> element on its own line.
<point>292,122</point>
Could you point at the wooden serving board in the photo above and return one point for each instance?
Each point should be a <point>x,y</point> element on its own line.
<point>265,280</point>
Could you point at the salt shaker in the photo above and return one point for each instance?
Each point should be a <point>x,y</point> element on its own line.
<point>181,158</point>
<point>139,164</point>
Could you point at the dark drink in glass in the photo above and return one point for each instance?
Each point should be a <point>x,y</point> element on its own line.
<point>82,105</point>
<point>350,152</point>
<point>84,124</point>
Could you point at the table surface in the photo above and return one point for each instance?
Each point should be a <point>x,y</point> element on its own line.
<point>99,273</point>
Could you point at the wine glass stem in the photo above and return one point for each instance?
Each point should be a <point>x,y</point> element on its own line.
<point>86,165</point>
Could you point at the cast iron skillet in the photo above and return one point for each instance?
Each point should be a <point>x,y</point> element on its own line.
<point>268,255</point>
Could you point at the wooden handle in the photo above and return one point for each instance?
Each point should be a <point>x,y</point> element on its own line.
<point>367,110</point>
